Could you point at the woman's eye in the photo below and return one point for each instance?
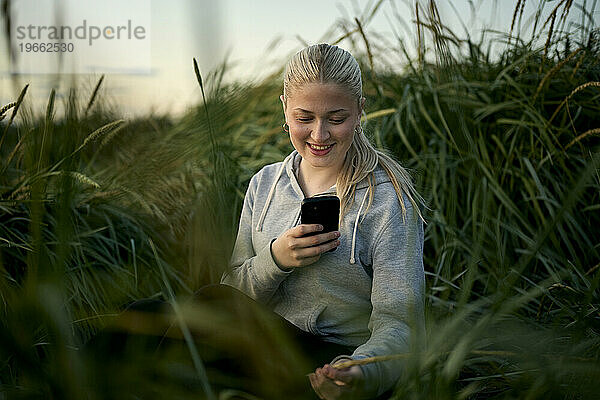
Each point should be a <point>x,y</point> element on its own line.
<point>333,120</point>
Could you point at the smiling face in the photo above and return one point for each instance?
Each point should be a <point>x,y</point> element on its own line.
<point>322,118</point>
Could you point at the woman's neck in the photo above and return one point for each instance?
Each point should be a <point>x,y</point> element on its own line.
<point>315,180</point>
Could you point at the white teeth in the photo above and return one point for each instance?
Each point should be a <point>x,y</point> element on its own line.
<point>319,147</point>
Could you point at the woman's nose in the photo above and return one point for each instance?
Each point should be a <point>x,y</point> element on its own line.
<point>320,132</point>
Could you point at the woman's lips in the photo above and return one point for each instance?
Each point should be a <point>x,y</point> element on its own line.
<point>319,152</point>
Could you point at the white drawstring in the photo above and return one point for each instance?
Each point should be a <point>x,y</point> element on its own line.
<point>352,260</point>
<point>270,196</point>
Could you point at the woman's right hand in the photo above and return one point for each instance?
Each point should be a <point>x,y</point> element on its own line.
<point>291,250</point>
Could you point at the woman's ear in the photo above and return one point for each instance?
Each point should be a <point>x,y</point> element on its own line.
<point>282,102</point>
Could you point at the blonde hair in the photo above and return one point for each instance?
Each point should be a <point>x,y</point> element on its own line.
<point>324,63</point>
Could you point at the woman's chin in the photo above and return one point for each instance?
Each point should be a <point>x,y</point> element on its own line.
<point>320,162</point>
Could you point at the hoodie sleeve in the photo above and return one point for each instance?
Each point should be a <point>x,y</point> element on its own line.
<point>397,297</point>
<point>253,272</point>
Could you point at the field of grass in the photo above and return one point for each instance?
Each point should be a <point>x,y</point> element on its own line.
<point>97,212</point>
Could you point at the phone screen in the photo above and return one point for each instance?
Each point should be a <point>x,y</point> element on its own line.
<point>324,210</point>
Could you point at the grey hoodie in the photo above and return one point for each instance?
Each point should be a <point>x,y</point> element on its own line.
<point>367,293</point>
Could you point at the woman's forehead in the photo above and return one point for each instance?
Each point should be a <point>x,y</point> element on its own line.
<point>325,87</point>
<point>321,95</point>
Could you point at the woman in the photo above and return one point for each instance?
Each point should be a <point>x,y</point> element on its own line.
<point>368,293</point>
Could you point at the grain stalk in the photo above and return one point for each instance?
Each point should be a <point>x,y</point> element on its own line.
<point>94,94</point>
<point>201,371</point>
<point>16,106</point>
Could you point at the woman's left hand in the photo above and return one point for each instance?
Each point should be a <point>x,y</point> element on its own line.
<point>331,384</point>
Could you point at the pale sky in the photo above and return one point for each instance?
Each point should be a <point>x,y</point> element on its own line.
<point>258,36</point>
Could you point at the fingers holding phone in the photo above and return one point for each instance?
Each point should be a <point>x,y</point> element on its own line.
<point>321,242</point>
<point>317,233</point>
<point>303,245</point>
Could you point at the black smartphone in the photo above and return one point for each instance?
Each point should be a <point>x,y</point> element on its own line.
<point>324,210</point>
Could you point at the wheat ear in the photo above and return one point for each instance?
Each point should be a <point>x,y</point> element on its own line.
<point>4,109</point>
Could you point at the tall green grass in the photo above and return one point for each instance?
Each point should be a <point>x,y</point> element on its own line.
<point>96,212</point>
